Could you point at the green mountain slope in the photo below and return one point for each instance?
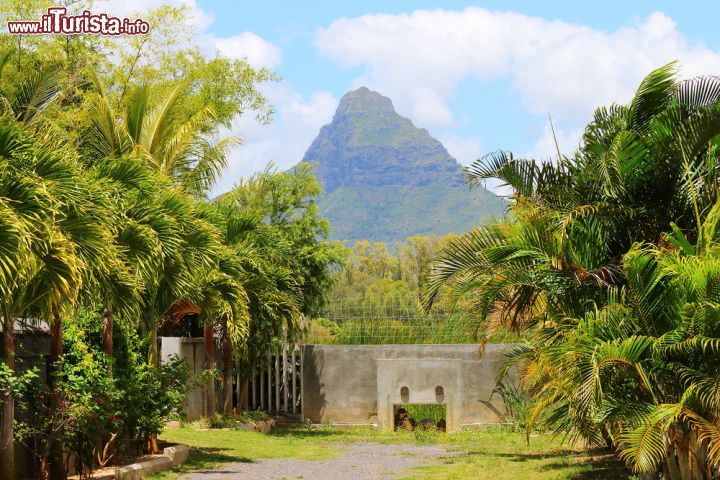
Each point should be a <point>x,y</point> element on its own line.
<point>386,179</point>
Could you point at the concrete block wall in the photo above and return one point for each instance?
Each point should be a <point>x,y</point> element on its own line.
<point>341,381</point>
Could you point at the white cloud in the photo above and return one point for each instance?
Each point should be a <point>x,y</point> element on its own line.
<point>258,51</point>
<point>429,108</point>
<point>465,149</point>
<point>284,141</point>
<point>545,148</point>
<point>297,119</point>
<point>556,68</point>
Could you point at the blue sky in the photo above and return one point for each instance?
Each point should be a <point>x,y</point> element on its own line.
<point>480,76</point>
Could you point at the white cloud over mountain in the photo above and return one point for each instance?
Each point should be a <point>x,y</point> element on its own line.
<point>285,140</point>
<point>554,67</point>
<point>419,59</point>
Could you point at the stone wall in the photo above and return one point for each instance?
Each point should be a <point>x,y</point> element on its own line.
<point>343,383</point>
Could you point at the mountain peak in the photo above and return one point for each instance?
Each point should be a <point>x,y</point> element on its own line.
<point>368,143</point>
<point>364,100</point>
<point>386,179</point>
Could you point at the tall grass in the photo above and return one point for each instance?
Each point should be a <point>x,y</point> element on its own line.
<point>420,412</point>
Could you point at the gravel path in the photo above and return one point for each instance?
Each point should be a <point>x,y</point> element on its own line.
<point>357,461</point>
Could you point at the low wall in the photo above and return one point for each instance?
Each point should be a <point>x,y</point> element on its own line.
<point>340,382</point>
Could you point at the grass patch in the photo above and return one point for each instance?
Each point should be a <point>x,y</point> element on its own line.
<point>491,453</point>
<point>212,448</point>
<point>501,454</point>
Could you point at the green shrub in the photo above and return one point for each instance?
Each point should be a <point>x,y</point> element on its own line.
<point>94,406</point>
<point>517,402</point>
<point>252,416</point>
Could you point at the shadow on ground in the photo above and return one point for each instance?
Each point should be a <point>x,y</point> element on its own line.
<point>201,458</point>
<point>604,465</point>
<point>303,433</point>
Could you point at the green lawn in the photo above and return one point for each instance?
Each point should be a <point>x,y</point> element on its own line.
<point>492,453</point>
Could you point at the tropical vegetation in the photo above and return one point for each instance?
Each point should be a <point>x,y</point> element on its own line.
<point>608,263</point>
<point>109,153</point>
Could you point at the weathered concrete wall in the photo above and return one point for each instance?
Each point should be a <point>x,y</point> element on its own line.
<point>192,350</point>
<point>341,381</point>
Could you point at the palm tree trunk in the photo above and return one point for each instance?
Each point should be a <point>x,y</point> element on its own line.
<point>698,462</point>
<point>152,347</point>
<point>243,399</point>
<point>107,337</point>
<point>7,444</point>
<point>57,458</point>
<point>683,460</point>
<point>210,400</point>
<point>151,324</point>
<point>671,464</point>
<point>227,374</point>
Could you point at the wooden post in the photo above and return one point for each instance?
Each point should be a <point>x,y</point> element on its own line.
<point>277,382</point>
<point>238,392</point>
<point>285,372</point>
<point>252,403</point>
<point>269,384</point>
<point>262,388</point>
<point>294,379</point>
<point>210,398</point>
<point>302,379</point>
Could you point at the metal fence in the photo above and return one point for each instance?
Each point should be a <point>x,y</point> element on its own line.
<point>393,321</point>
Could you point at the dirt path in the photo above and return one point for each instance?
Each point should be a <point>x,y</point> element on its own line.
<point>358,461</point>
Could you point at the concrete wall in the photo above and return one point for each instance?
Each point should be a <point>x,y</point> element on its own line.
<point>192,350</point>
<point>341,381</point>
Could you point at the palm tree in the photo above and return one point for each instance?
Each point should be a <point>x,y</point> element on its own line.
<point>596,265</point>
<point>272,291</point>
<point>642,372</point>
<point>222,301</point>
<point>176,146</point>
<point>62,225</point>
<point>176,139</point>
<point>573,220</point>
<point>45,201</point>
